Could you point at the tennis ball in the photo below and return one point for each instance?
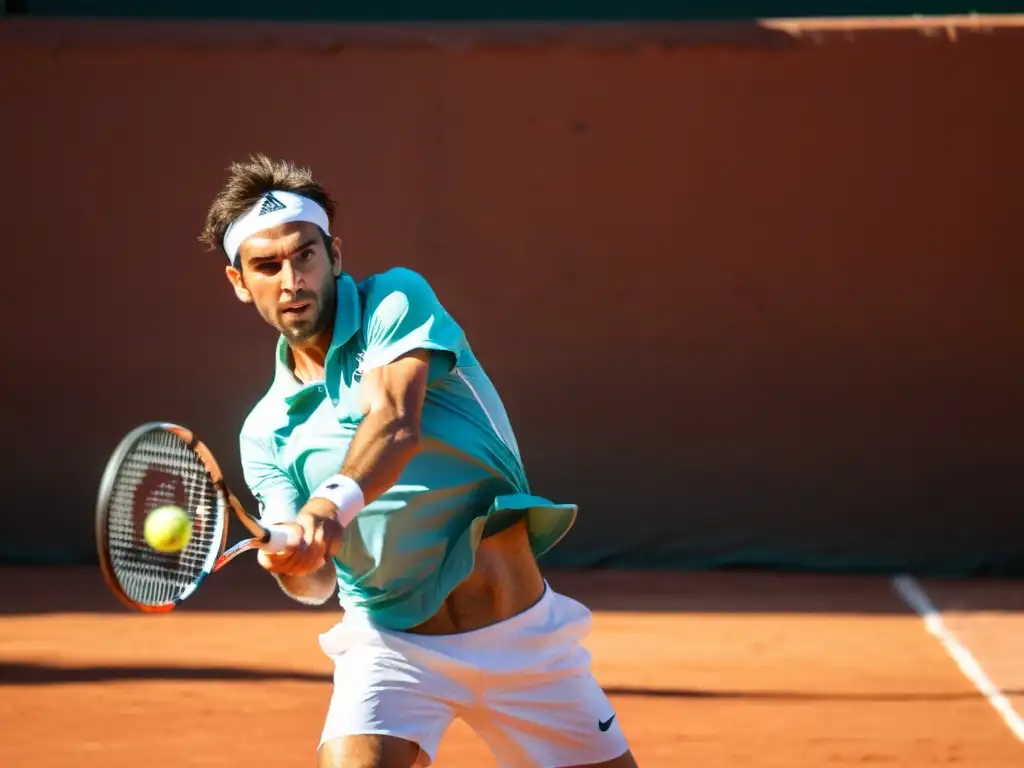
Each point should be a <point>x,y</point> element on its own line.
<point>168,529</point>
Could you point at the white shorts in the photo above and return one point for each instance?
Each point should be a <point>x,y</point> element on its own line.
<point>523,685</point>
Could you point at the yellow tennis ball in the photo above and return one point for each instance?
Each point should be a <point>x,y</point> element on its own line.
<point>168,529</point>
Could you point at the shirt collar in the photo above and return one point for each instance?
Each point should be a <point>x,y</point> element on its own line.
<point>348,314</point>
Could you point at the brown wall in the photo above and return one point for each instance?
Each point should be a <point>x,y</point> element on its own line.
<point>764,297</point>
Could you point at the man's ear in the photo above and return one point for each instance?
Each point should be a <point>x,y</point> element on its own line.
<point>336,255</point>
<point>235,278</point>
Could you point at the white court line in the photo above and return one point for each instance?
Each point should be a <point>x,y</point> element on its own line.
<point>912,592</point>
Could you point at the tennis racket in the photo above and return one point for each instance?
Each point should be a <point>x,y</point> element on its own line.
<point>159,464</point>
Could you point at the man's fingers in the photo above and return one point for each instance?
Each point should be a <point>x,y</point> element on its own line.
<point>313,557</point>
<point>294,563</point>
<point>309,534</point>
<point>284,561</point>
<point>320,540</point>
<point>332,535</point>
<point>275,561</point>
<point>299,565</point>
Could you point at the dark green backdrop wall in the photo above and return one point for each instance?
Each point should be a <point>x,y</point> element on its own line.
<point>575,10</point>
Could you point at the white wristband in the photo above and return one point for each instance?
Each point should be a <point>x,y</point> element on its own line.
<point>345,494</point>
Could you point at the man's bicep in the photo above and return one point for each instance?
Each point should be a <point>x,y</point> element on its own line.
<point>277,497</point>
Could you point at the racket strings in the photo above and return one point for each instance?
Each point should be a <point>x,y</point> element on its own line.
<point>162,469</point>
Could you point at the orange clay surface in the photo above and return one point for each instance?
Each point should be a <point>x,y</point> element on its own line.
<point>704,669</point>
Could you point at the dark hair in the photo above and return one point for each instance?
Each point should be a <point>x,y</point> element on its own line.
<point>250,180</point>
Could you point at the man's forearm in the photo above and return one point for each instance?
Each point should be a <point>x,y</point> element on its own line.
<point>383,444</point>
<point>381,447</point>
<point>385,441</point>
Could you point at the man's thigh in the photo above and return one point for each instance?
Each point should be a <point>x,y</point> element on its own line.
<point>386,710</point>
<point>369,751</point>
<point>552,721</point>
<point>624,760</point>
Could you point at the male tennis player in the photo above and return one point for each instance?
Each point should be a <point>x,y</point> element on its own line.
<point>382,439</point>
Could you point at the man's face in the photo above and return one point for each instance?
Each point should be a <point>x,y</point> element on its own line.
<point>289,274</point>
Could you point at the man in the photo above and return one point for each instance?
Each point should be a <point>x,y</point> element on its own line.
<point>382,441</point>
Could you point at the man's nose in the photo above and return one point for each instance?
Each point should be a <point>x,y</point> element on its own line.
<point>291,280</point>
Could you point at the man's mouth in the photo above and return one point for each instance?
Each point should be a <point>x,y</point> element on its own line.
<point>295,309</point>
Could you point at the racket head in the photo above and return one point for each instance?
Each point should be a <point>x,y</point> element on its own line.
<point>156,464</point>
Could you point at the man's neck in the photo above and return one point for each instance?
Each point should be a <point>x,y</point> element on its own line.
<point>308,358</point>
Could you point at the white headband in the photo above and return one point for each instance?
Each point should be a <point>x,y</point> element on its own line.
<point>272,210</point>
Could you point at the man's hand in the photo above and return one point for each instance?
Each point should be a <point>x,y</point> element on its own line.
<point>321,539</point>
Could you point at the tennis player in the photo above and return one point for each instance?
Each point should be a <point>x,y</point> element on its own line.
<point>383,440</point>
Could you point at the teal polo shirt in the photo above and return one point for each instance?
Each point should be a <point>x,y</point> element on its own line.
<point>409,548</point>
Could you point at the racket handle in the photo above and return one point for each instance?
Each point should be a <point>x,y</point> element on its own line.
<point>281,538</point>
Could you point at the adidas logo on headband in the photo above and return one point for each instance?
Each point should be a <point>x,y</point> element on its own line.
<point>270,204</point>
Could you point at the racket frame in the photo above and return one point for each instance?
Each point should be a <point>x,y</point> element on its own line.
<point>218,557</point>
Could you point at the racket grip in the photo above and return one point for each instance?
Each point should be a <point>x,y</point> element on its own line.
<point>281,538</point>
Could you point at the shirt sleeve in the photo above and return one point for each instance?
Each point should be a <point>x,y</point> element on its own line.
<point>279,501</point>
<point>276,494</point>
<point>402,314</point>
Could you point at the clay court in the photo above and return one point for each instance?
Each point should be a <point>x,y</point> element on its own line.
<point>705,669</point>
